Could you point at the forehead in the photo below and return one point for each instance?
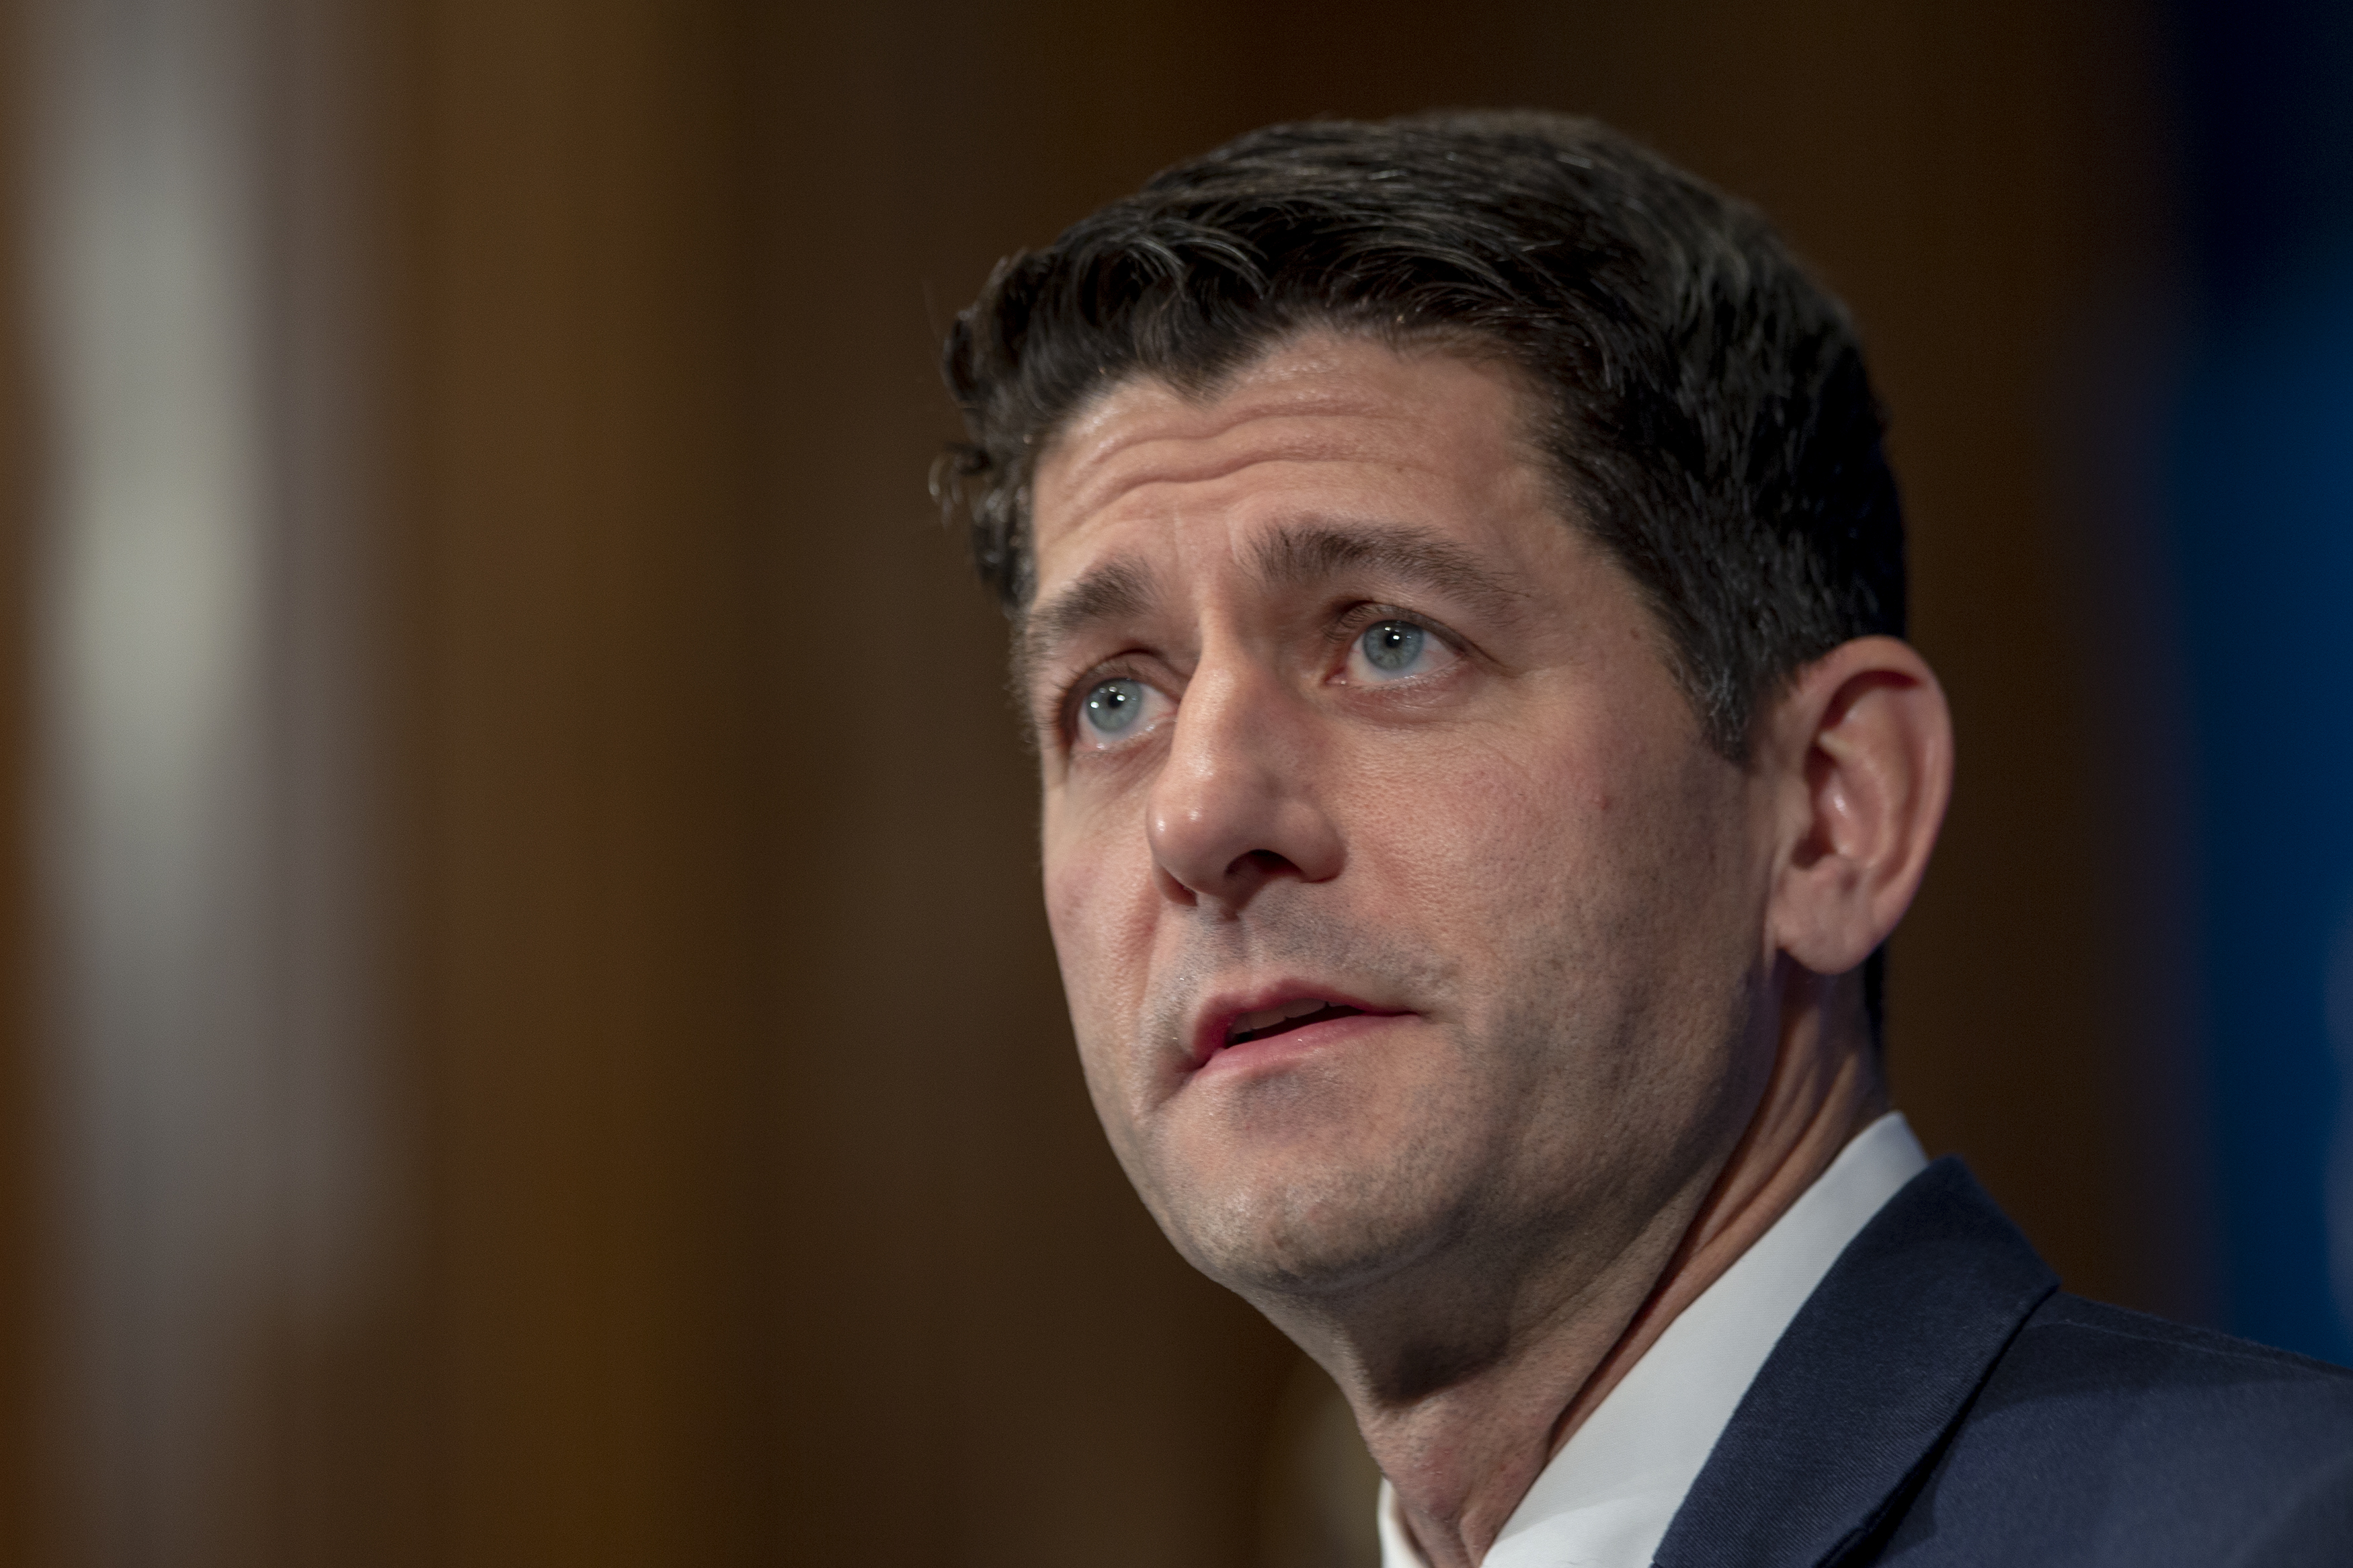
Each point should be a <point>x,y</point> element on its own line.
<point>1324,422</point>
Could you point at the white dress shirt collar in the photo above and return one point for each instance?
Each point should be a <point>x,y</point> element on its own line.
<point>1604,1500</point>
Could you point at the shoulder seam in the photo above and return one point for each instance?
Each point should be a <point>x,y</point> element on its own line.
<point>2196,1340</point>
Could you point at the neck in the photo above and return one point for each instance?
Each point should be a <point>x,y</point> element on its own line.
<point>1461,1455</point>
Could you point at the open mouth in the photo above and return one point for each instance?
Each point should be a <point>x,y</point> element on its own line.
<point>1282,1019</point>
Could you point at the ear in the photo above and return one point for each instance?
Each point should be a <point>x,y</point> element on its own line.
<point>1857,759</point>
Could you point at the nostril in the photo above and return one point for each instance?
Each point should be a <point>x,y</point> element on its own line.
<point>1255,869</point>
<point>1175,889</point>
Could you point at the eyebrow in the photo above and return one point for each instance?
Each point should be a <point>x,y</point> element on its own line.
<point>1301,553</point>
<point>1116,590</point>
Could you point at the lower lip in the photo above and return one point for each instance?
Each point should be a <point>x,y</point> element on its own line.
<point>1279,1051</point>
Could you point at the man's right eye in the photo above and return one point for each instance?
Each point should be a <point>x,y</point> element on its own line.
<point>1111,710</point>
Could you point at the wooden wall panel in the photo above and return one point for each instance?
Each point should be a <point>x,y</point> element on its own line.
<point>27,1512</point>
<point>587,841</point>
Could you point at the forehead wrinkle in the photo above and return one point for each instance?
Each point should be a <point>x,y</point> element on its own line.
<point>1310,374</point>
<point>1135,473</point>
<point>1122,448</point>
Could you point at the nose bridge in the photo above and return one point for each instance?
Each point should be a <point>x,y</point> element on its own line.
<point>1220,740</point>
<point>1235,802</point>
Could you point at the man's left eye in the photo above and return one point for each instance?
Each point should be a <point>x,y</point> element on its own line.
<point>1394,650</point>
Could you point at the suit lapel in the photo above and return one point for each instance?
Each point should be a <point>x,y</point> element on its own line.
<point>1874,1369</point>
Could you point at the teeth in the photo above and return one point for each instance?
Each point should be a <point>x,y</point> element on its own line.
<point>1268,1018</point>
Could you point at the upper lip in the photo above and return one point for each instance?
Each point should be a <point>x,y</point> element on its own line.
<point>1224,1015</point>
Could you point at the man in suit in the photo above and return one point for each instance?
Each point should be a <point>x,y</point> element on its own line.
<point>1459,595</point>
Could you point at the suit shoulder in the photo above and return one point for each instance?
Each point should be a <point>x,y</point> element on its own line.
<point>2164,1392</point>
<point>2106,1437</point>
<point>2127,1340</point>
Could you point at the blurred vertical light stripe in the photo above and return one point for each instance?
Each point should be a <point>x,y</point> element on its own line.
<point>198,651</point>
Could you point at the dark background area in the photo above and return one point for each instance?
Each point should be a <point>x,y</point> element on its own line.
<point>740,1201</point>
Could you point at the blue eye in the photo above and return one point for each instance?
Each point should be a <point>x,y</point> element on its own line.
<point>1393,648</point>
<point>1113,708</point>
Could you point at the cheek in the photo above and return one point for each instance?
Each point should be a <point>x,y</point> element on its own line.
<point>1097,884</point>
<point>1592,834</point>
<point>1482,819</point>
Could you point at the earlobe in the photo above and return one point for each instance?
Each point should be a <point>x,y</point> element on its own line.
<point>1861,750</point>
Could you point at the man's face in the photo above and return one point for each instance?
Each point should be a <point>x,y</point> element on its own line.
<point>1405,915</point>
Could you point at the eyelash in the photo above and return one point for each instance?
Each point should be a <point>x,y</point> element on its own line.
<point>1343,629</point>
<point>1353,622</point>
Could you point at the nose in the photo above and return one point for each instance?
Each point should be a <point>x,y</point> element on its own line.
<point>1238,800</point>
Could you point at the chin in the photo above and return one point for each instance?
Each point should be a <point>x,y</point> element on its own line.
<point>1307,1233</point>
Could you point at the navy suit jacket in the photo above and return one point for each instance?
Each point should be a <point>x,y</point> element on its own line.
<point>1940,1400</point>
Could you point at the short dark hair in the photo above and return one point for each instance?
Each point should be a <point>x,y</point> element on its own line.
<point>1708,413</point>
<point>1709,417</point>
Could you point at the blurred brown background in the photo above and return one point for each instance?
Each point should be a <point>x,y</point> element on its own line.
<point>617,1107</point>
